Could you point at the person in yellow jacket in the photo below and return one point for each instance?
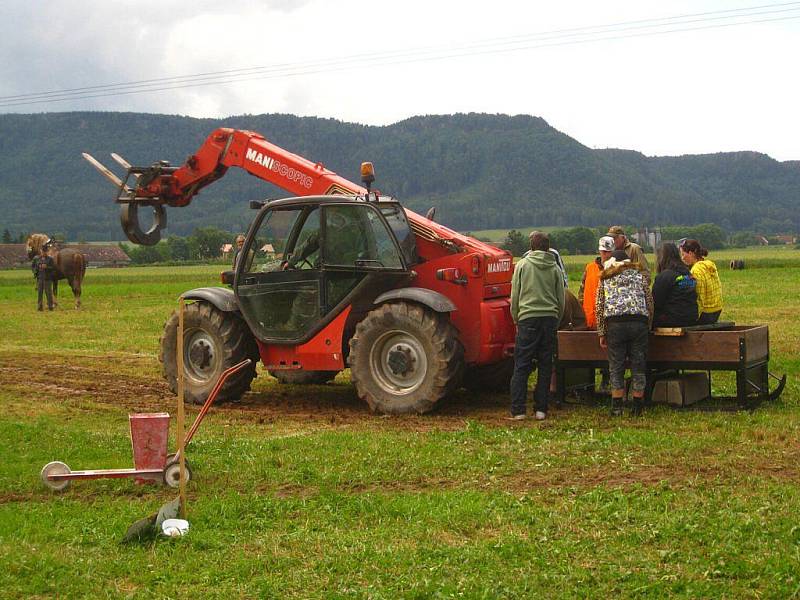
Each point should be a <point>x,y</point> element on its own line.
<point>709,288</point>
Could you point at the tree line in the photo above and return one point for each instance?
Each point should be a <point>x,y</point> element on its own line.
<point>203,245</point>
<point>583,240</point>
<point>478,170</point>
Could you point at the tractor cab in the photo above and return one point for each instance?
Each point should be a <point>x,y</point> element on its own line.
<point>306,259</point>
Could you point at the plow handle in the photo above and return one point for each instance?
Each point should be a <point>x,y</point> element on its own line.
<point>213,396</point>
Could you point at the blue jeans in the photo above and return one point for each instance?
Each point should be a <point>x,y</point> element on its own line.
<point>536,340</point>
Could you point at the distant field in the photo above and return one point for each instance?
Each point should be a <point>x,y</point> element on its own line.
<point>754,257</point>
<point>499,235</point>
<point>301,492</point>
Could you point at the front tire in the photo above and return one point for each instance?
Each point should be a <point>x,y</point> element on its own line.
<point>404,358</point>
<point>213,341</point>
<point>55,468</point>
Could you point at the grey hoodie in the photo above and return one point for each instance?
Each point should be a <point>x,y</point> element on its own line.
<point>537,287</point>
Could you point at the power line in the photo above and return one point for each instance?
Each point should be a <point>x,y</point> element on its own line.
<point>492,46</point>
<point>625,25</point>
<point>292,68</point>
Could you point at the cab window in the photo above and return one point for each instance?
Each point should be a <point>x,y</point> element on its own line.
<point>356,236</point>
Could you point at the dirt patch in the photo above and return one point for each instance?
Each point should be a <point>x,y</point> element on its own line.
<point>83,376</point>
<point>133,382</point>
<point>60,378</point>
<point>9,497</point>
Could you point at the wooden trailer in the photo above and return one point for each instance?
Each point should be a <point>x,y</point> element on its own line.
<point>743,349</point>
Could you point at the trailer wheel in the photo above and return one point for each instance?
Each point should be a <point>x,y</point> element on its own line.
<point>404,358</point>
<point>213,341</point>
<point>297,377</point>
<point>490,378</point>
<point>172,473</point>
<point>55,468</point>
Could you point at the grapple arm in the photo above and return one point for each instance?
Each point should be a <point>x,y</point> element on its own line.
<point>161,184</point>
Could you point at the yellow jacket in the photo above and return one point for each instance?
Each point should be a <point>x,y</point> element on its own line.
<point>709,288</point>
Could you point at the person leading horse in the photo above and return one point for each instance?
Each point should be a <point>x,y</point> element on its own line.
<point>69,264</point>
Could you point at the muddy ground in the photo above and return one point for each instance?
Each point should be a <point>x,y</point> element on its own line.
<point>134,383</point>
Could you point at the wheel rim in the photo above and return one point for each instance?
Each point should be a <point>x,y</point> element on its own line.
<point>200,355</point>
<point>55,468</point>
<point>399,362</point>
<point>172,474</point>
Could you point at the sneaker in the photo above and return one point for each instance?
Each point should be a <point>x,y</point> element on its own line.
<point>540,416</point>
<point>519,417</point>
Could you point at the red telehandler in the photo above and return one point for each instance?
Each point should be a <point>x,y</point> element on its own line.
<point>336,276</point>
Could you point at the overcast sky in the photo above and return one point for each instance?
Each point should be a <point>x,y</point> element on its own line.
<point>710,90</point>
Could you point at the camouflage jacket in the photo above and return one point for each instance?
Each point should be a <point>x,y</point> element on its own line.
<point>624,291</point>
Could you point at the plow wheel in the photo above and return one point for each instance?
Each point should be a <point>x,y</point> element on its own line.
<point>404,358</point>
<point>212,342</point>
<point>296,377</point>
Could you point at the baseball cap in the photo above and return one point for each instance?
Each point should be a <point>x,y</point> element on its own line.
<point>616,230</point>
<point>606,244</point>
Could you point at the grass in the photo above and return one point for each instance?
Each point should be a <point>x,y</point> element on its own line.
<point>301,492</point>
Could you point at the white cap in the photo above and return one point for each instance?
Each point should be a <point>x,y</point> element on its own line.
<point>606,244</point>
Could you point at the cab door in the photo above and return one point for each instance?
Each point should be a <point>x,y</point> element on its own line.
<point>278,285</point>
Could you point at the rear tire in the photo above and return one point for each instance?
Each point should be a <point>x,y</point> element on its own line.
<point>404,358</point>
<point>213,342</point>
<point>298,377</point>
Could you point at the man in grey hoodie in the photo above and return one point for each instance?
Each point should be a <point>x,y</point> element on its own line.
<point>537,304</point>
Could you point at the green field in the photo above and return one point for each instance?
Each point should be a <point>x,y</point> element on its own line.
<point>301,492</point>
<point>498,236</point>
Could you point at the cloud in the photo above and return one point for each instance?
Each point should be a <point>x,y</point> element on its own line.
<point>715,90</point>
<point>70,45</point>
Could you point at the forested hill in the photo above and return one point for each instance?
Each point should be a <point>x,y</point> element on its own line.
<point>480,171</point>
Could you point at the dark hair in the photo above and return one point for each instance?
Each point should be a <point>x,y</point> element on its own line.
<point>539,240</point>
<point>694,247</point>
<point>619,255</point>
<point>669,258</point>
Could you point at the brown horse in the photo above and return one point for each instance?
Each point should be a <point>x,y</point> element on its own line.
<point>70,264</point>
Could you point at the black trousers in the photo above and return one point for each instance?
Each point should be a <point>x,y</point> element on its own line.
<point>709,318</point>
<point>45,286</point>
<point>536,340</point>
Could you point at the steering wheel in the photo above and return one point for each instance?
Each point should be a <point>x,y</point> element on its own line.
<point>287,265</point>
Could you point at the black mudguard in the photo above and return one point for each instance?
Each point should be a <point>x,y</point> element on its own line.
<point>433,300</point>
<point>222,298</point>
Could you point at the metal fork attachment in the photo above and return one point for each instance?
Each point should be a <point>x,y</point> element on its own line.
<point>130,200</point>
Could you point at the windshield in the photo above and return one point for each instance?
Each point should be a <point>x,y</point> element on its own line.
<point>269,246</point>
<point>396,218</point>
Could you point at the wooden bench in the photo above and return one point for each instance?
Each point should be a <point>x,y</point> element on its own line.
<point>743,349</point>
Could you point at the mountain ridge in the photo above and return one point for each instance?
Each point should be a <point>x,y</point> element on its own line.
<point>481,171</point>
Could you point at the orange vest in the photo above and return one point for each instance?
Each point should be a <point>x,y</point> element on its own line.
<point>590,284</point>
